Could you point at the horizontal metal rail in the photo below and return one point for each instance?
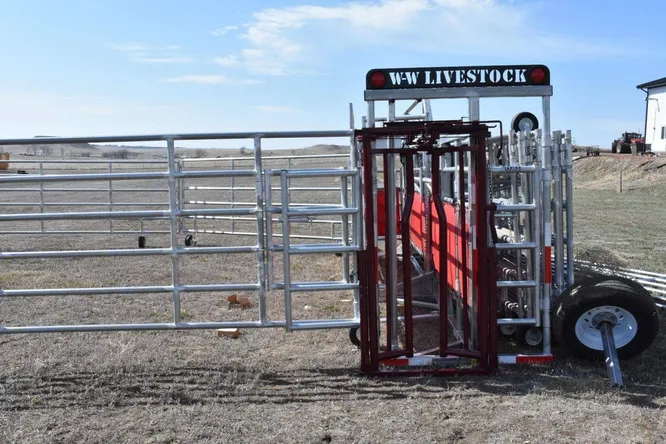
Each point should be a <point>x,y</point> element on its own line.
<point>296,325</point>
<point>516,284</point>
<point>127,290</point>
<point>190,136</point>
<point>318,286</point>
<point>123,176</point>
<point>122,214</point>
<point>125,252</point>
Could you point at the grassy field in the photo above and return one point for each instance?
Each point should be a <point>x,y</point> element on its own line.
<point>274,387</point>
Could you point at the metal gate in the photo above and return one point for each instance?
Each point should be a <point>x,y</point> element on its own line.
<point>270,232</point>
<point>465,318</point>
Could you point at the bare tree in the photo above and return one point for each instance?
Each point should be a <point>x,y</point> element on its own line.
<point>200,153</point>
<point>119,154</point>
<point>243,150</point>
<point>47,150</point>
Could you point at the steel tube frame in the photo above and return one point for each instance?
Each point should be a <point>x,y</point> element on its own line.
<point>174,214</point>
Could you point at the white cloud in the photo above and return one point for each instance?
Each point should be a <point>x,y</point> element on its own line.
<point>222,31</point>
<point>142,53</point>
<point>281,40</point>
<point>161,59</point>
<point>231,60</point>
<point>129,47</point>
<point>275,108</point>
<point>94,110</point>
<point>210,79</point>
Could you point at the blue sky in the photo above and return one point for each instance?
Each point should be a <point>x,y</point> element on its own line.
<point>101,67</point>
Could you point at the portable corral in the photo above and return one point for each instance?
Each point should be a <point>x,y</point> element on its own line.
<point>448,237</point>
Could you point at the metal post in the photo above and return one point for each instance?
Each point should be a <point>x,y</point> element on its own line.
<point>261,239</point>
<point>569,209</point>
<point>610,354</point>
<point>474,115</point>
<point>547,217</point>
<point>514,148</point>
<point>345,227</point>
<point>233,186</point>
<point>356,195</point>
<point>41,195</point>
<point>391,244</point>
<point>284,193</point>
<point>173,227</point>
<point>373,184</point>
<point>181,194</point>
<point>270,245</point>
<point>557,209</point>
<point>110,196</point>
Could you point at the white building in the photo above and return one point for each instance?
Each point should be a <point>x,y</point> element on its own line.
<point>655,115</point>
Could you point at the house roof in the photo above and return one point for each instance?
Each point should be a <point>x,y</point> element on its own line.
<point>653,84</point>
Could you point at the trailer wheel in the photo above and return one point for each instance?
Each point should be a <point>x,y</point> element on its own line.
<point>355,336</point>
<point>189,240</point>
<point>623,302</point>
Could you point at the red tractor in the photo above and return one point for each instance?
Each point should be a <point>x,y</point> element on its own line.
<point>629,143</point>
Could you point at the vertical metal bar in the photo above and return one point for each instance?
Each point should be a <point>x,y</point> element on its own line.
<point>443,256</point>
<point>368,298</point>
<point>41,195</point>
<point>173,228</point>
<point>344,189</point>
<point>357,235</point>
<point>514,147</point>
<point>569,209</point>
<point>110,196</point>
<point>547,202</point>
<point>391,230</point>
<point>407,254</point>
<point>537,192</point>
<point>391,326</point>
<point>284,193</point>
<point>356,195</point>
<point>233,195</point>
<point>374,323</point>
<point>610,355</point>
<point>474,108</point>
<point>181,194</point>
<point>270,245</point>
<point>557,209</point>
<point>463,234</point>
<point>487,296</point>
<point>261,239</point>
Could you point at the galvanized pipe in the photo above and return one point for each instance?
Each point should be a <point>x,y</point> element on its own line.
<point>610,354</point>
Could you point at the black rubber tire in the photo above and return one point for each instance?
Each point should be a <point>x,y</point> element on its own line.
<point>142,241</point>
<point>189,240</point>
<point>614,148</point>
<point>354,336</point>
<point>599,291</point>
<point>521,331</point>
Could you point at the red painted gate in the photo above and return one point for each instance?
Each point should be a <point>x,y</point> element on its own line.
<point>473,300</point>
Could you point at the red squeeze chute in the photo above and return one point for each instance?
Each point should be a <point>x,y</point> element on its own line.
<point>381,212</point>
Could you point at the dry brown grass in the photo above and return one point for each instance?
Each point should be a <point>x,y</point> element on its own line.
<point>268,385</point>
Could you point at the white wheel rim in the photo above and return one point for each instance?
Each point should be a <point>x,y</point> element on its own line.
<point>623,333</point>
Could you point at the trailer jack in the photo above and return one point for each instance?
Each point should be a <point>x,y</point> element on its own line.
<point>605,325</point>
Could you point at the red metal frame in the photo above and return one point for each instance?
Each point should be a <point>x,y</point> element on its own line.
<point>411,227</point>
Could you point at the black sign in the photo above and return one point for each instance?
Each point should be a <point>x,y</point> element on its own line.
<point>460,76</point>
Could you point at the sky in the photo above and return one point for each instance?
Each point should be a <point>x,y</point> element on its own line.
<point>118,67</point>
